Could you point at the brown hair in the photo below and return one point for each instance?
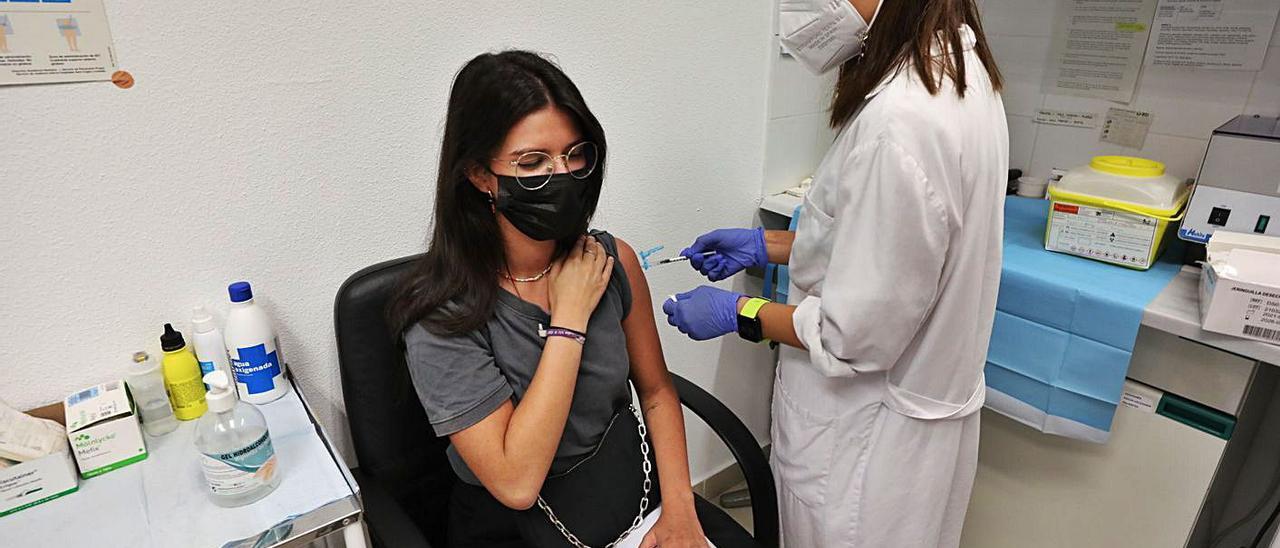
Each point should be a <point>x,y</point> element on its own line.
<point>454,286</point>
<point>906,31</point>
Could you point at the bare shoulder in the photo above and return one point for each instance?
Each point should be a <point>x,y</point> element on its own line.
<point>627,256</point>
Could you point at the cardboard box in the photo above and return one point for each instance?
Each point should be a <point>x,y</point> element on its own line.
<point>27,484</point>
<point>1240,295</point>
<point>103,428</point>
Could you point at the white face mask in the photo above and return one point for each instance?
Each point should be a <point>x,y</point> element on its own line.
<point>822,34</point>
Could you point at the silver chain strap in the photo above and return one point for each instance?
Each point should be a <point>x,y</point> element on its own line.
<point>644,499</point>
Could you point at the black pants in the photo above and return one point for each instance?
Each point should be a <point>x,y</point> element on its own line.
<point>597,499</point>
<point>477,520</point>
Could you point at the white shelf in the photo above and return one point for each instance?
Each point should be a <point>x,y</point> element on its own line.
<point>783,204</point>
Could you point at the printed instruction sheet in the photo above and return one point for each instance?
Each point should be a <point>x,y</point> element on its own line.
<point>45,41</point>
<point>1098,47</point>
<point>1212,34</point>
<point>1054,117</point>
<point>1127,128</point>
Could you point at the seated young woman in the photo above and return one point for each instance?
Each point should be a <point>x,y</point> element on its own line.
<point>522,329</point>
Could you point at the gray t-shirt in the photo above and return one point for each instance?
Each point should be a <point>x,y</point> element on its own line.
<point>462,379</point>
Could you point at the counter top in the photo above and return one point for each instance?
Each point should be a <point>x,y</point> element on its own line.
<point>1177,311</point>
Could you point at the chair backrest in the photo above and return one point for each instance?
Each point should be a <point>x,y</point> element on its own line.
<point>394,442</point>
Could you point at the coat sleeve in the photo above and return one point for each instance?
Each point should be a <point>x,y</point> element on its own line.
<point>889,243</point>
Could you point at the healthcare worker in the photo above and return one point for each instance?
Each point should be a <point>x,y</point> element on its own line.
<point>894,265</point>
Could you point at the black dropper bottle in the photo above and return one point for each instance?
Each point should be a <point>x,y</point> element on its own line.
<point>171,339</point>
<point>181,376</point>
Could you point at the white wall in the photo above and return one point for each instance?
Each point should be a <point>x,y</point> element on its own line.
<point>1187,104</point>
<point>291,143</point>
<point>797,133</point>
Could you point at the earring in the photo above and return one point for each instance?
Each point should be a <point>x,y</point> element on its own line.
<point>493,207</point>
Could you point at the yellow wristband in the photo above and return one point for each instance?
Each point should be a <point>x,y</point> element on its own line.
<point>752,309</point>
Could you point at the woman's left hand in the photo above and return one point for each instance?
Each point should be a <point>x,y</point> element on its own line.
<point>705,313</point>
<point>676,530</point>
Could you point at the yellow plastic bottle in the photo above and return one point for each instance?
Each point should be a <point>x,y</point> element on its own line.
<point>182,378</point>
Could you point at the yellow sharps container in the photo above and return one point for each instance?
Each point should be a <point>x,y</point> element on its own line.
<point>1116,210</point>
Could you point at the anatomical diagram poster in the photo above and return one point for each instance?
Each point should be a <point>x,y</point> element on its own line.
<point>48,41</point>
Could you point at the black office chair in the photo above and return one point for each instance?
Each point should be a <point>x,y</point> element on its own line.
<point>404,476</point>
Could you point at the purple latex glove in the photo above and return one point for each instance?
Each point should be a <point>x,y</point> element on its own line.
<point>736,249</point>
<point>704,313</point>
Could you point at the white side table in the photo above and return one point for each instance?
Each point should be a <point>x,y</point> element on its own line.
<point>161,502</point>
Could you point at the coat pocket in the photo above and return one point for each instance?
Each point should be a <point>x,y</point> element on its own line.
<point>811,250</point>
<point>803,447</point>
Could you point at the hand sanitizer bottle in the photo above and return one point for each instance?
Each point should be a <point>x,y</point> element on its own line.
<point>235,447</point>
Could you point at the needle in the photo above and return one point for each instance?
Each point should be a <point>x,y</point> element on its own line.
<point>681,258</point>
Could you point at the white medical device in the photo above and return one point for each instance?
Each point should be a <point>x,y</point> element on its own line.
<point>1239,184</point>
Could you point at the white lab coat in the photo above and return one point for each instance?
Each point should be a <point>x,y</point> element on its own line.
<point>895,268</point>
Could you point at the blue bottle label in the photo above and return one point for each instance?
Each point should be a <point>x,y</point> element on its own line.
<point>256,368</point>
<point>205,369</point>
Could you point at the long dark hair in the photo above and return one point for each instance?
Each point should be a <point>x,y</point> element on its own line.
<point>453,288</point>
<point>906,31</point>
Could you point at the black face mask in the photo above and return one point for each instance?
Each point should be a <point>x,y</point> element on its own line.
<point>553,212</point>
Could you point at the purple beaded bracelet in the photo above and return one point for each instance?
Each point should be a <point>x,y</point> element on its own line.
<point>553,331</point>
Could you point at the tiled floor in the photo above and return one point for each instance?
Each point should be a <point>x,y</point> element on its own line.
<point>741,515</point>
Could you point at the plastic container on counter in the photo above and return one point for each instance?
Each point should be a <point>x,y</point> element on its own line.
<point>1117,209</point>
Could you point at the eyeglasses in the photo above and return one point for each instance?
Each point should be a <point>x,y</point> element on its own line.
<point>534,169</point>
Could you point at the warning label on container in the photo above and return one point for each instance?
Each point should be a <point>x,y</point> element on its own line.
<point>1102,234</point>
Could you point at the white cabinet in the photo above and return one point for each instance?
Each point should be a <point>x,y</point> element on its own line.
<point>1142,489</point>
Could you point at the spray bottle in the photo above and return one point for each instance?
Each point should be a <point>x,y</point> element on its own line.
<point>208,343</point>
